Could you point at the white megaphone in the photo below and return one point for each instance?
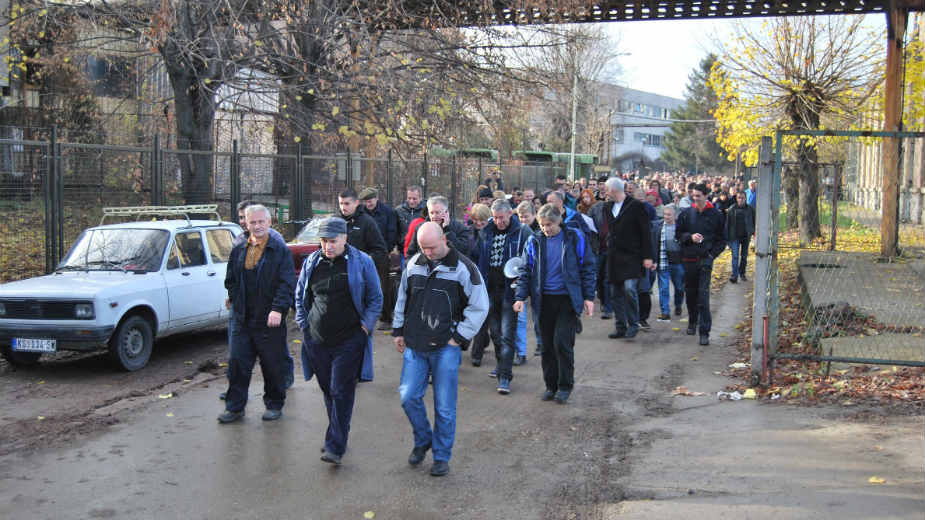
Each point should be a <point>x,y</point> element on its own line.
<point>512,267</point>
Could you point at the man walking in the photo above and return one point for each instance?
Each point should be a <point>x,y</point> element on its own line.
<point>411,209</point>
<point>629,255</point>
<point>441,305</point>
<point>740,226</point>
<point>438,211</point>
<point>502,239</point>
<point>670,270</point>
<point>260,280</point>
<point>337,302</point>
<point>387,221</point>
<point>558,276</point>
<point>700,232</point>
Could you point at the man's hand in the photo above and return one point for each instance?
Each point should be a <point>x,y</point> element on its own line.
<point>365,330</point>
<point>274,319</point>
<point>589,308</point>
<point>697,238</point>
<point>227,303</point>
<point>648,264</point>
<point>453,342</point>
<point>518,306</point>
<point>399,344</point>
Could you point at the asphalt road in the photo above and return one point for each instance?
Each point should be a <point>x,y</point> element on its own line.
<point>622,446</point>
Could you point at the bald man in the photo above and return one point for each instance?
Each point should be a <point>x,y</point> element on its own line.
<point>441,305</point>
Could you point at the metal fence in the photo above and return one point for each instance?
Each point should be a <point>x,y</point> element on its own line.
<point>50,191</point>
<point>834,301</point>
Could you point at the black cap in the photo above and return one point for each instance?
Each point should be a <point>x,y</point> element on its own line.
<point>331,227</point>
<point>486,192</point>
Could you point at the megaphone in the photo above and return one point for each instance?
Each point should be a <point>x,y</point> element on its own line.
<point>512,267</point>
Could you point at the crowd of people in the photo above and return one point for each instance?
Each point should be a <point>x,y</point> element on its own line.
<point>471,281</point>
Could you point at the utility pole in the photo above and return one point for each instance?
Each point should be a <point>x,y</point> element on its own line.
<point>571,168</point>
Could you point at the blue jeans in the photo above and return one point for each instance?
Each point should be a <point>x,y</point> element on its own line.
<point>739,249</point>
<point>521,342</point>
<point>626,305</point>
<point>502,328</point>
<point>336,368</point>
<point>443,363</point>
<point>674,275</point>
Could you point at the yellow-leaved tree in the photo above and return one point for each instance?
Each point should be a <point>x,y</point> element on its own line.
<point>806,73</point>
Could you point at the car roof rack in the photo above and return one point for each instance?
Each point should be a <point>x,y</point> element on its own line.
<point>139,211</point>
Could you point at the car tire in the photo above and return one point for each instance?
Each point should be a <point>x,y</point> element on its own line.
<point>130,347</point>
<point>20,359</point>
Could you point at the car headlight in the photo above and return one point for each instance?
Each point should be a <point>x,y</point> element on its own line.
<point>83,311</point>
<point>2,309</point>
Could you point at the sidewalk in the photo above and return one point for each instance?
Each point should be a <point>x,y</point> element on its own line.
<point>623,446</point>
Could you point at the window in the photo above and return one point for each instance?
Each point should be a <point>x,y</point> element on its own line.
<point>220,241</point>
<point>187,251</point>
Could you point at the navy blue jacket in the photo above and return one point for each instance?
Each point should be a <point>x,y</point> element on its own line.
<point>579,270</point>
<point>711,224</point>
<point>275,280</point>
<point>387,220</point>
<point>514,244</point>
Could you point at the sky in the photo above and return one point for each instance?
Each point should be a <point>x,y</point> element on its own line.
<point>663,53</point>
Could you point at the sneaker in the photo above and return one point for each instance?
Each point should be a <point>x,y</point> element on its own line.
<point>617,334</point>
<point>548,395</point>
<point>272,415</point>
<point>691,330</point>
<point>677,311</point>
<point>222,395</point>
<point>643,324</point>
<point>476,362</point>
<point>733,279</point>
<point>664,317</point>
<point>562,396</point>
<point>579,328</point>
<point>230,417</point>
<point>606,315</point>
<point>704,339</point>
<point>504,386</point>
<point>417,455</point>
<point>330,458</point>
<point>630,334</point>
<point>440,468</point>
<point>520,360</point>
<point>743,278</point>
<point>493,373</point>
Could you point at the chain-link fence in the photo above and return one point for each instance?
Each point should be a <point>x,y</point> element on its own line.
<point>51,191</point>
<point>831,298</point>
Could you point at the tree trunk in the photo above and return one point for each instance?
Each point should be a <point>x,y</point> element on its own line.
<point>809,193</point>
<point>792,192</point>
<point>195,111</point>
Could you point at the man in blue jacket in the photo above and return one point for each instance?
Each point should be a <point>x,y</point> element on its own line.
<point>259,278</point>
<point>499,241</point>
<point>559,275</point>
<point>337,303</point>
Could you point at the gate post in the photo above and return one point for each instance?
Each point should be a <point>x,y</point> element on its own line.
<point>763,228</point>
<point>388,180</point>
<point>235,178</point>
<point>453,176</point>
<point>49,189</point>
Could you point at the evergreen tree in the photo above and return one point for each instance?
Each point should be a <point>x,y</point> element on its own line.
<point>693,146</point>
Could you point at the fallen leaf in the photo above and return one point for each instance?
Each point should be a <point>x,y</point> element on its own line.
<point>40,418</point>
<point>223,365</point>
<point>297,341</point>
<point>695,358</point>
<point>722,334</point>
<point>676,329</point>
<point>169,414</point>
<point>165,396</point>
<point>42,382</point>
<point>750,394</point>
<point>681,390</point>
<point>368,515</point>
<point>187,362</point>
<point>876,480</point>
<point>683,320</point>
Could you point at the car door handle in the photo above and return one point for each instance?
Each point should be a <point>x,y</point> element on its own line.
<point>185,273</point>
<point>211,273</point>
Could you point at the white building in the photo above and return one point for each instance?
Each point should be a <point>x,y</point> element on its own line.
<point>638,127</point>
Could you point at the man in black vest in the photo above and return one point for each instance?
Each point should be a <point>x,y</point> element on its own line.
<point>629,255</point>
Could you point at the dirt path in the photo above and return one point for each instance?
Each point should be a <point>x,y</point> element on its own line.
<point>619,447</point>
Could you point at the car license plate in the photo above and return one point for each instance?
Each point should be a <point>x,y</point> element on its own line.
<point>34,345</point>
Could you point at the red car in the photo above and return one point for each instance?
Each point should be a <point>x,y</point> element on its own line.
<point>304,244</point>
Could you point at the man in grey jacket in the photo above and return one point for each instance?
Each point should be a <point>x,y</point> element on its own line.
<point>442,303</point>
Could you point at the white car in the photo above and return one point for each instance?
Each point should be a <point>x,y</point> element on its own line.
<point>120,287</point>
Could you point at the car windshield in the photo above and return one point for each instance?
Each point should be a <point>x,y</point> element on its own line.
<point>118,250</point>
<point>309,233</point>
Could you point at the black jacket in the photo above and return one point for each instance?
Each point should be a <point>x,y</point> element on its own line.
<point>709,223</point>
<point>732,231</point>
<point>405,215</point>
<point>387,220</point>
<point>275,280</point>
<point>363,234</point>
<point>457,235</point>
<point>629,240</point>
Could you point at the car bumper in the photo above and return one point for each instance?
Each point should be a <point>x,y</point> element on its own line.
<point>69,337</point>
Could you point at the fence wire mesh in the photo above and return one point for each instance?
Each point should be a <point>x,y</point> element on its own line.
<point>840,303</point>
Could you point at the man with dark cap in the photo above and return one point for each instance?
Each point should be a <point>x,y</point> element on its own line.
<point>387,220</point>
<point>260,279</point>
<point>486,196</point>
<point>337,302</point>
<point>362,231</point>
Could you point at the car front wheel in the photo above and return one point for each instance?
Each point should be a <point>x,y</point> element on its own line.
<point>20,359</point>
<point>130,346</point>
